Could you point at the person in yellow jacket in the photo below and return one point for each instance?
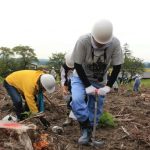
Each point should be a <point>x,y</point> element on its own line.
<point>30,85</point>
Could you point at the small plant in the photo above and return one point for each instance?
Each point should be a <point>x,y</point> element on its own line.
<point>107,120</point>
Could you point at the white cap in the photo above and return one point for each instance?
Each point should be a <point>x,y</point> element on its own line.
<point>102,31</point>
<point>48,82</point>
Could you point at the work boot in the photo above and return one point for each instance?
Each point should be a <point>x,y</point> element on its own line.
<point>86,132</point>
<point>85,137</point>
<point>67,122</point>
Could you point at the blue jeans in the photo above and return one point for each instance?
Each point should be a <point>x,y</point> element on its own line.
<point>136,87</point>
<point>82,109</point>
<point>16,98</point>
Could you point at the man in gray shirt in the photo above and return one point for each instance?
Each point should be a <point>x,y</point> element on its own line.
<point>92,55</point>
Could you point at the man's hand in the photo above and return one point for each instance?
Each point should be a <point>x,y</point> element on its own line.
<point>91,90</point>
<point>103,91</point>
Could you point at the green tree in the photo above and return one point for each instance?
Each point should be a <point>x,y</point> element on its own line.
<point>56,61</point>
<point>127,54</point>
<point>6,53</point>
<point>6,61</point>
<point>132,65</point>
<point>126,51</point>
<point>26,56</point>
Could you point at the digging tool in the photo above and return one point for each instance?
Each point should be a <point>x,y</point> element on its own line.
<point>44,122</point>
<point>94,142</point>
<point>40,116</point>
<point>33,116</point>
<point>95,114</point>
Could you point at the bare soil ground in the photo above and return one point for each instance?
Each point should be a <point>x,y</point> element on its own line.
<point>132,132</point>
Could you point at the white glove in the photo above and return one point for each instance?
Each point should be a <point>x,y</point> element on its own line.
<point>103,91</point>
<point>91,90</point>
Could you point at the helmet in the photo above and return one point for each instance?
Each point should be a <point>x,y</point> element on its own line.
<point>137,76</point>
<point>102,31</point>
<point>48,82</point>
<point>69,61</point>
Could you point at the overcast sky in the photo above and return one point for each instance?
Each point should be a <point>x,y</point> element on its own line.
<point>50,26</point>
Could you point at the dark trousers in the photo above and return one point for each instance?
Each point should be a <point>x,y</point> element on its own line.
<point>16,98</point>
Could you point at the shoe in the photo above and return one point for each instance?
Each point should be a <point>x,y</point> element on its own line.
<point>85,138</point>
<point>67,122</point>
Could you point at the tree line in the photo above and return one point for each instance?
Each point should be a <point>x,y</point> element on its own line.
<point>21,57</point>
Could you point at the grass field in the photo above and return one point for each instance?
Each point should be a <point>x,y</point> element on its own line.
<point>145,83</point>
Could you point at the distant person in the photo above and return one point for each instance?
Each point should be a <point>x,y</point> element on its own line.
<point>28,85</point>
<point>66,74</point>
<point>53,72</point>
<point>137,83</point>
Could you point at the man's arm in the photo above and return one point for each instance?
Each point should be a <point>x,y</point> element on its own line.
<point>82,75</point>
<point>88,87</point>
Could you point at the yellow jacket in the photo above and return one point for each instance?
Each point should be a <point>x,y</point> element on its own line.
<point>25,81</point>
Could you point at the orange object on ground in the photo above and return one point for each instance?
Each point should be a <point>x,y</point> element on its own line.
<point>15,125</point>
<point>42,143</point>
